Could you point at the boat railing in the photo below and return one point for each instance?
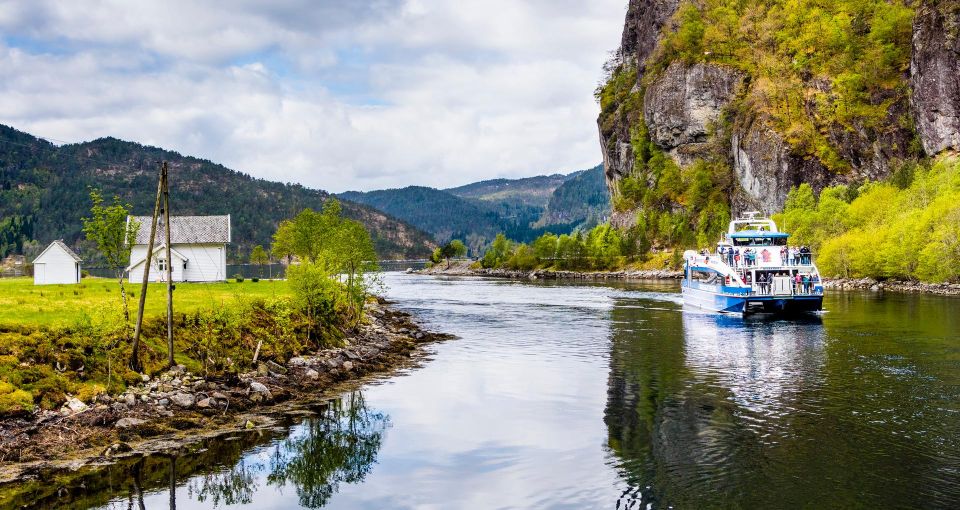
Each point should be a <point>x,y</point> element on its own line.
<point>809,288</point>
<point>801,260</point>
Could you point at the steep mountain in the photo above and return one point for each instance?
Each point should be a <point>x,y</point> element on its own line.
<point>713,107</point>
<point>44,194</point>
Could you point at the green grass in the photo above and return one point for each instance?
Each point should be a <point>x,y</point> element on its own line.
<point>24,304</point>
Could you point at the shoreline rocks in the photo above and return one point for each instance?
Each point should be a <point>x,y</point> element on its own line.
<point>943,289</point>
<point>177,400</point>
<point>907,287</point>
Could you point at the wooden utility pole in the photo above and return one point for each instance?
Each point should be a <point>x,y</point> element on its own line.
<point>135,356</point>
<point>166,221</point>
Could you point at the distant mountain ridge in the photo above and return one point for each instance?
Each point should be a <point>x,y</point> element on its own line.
<point>523,209</point>
<point>44,193</point>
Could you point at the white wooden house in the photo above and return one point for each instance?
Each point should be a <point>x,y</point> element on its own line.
<point>198,248</point>
<point>56,264</point>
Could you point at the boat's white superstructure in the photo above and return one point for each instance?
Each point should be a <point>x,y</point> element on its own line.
<point>753,270</point>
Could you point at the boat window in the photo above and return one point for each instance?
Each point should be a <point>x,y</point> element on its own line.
<point>704,276</point>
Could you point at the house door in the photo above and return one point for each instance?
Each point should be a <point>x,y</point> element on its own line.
<point>40,273</point>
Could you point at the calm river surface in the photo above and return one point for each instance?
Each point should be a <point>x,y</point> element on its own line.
<point>561,395</point>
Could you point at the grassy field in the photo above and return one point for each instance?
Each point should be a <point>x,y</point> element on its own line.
<point>24,304</point>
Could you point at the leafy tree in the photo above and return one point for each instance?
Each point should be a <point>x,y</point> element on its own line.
<point>454,248</point>
<point>328,244</point>
<point>259,257</point>
<point>545,247</point>
<point>316,294</point>
<point>114,236</point>
<point>499,252</point>
<point>353,256</point>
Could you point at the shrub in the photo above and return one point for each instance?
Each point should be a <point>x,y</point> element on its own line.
<point>238,277</point>
<point>254,279</point>
<point>14,400</point>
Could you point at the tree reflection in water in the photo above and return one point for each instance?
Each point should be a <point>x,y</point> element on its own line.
<point>338,447</point>
<point>235,486</point>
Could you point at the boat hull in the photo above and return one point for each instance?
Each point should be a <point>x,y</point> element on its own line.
<point>716,300</point>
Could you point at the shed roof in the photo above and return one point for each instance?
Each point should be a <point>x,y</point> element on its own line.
<point>60,244</point>
<point>187,230</point>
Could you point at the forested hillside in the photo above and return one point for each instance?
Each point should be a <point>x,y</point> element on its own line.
<point>581,198</point>
<point>523,209</point>
<point>44,194</point>
<point>714,107</point>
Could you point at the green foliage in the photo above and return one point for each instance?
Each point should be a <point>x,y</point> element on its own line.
<point>14,400</point>
<point>15,231</point>
<point>583,201</point>
<point>616,89</point>
<point>603,247</point>
<point>675,207</point>
<point>47,186</point>
<point>499,252</point>
<point>327,245</point>
<point>884,230</point>
<point>109,229</point>
<point>453,249</point>
<point>318,295</point>
<point>258,255</point>
<point>857,49</point>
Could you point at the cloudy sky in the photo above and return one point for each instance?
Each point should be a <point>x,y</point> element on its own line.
<point>338,94</point>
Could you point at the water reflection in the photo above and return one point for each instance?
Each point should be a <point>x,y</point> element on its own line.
<point>340,448</point>
<point>705,410</point>
<point>559,395</point>
<point>313,457</point>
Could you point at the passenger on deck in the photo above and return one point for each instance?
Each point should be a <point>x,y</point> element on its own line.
<point>791,255</point>
<point>806,284</point>
<point>798,282</point>
<point>762,283</point>
<point>805,255</point>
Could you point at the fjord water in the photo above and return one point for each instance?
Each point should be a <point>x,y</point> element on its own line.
<point>560,395</point>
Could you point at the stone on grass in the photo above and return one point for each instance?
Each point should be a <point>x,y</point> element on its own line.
<point>126,423</point>
<point>185,400</point>
<point>312,374</point>
<point>74,405</point>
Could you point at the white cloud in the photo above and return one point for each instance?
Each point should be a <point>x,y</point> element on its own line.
<point>336,95</point>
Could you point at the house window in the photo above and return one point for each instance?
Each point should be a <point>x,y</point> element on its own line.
<point>162,264</point>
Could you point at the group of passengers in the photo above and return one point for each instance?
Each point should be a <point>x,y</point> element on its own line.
<point>802,283</point>
<point>737,257</point>
<point>747,257</point>
<point>795,255</point>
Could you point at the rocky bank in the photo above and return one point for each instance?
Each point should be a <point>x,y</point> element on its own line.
<point>679,103</point>
<point>176,406</point>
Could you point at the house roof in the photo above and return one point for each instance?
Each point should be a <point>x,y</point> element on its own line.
<point>60,244</point>
<point>186,230</point>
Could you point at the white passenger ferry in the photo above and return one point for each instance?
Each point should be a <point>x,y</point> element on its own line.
<point>753,270</point>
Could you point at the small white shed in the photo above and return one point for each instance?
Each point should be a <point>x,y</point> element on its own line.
<point>56,264</point>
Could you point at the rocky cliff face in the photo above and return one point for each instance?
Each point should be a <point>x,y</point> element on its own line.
<point>691,109</point>
<point>935,75</point>
<point>682,106</point>
<point>644,22</point>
